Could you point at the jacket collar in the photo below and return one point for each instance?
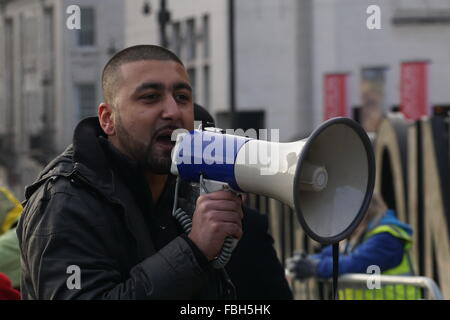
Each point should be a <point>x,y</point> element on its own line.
<point>88,155</point>
<point>83,158</point>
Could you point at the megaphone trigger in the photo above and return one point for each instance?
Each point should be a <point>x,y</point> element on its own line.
<point>208,186</point>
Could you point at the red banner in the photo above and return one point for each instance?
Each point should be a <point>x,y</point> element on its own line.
<point>335,96</point>
<point>413,90</point>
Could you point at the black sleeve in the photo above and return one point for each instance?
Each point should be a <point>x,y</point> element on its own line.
<point>60,233</point>
<point>199,255</point>
<point>254,267</point>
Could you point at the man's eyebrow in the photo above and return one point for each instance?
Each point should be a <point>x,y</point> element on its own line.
<point>182,85</point>
<point>159,86</point>
<point>148,85</point>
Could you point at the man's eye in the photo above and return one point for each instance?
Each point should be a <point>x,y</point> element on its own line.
<point>149,97</point>
<point>182,97</point>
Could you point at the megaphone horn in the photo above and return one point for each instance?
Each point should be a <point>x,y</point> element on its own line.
<point>327,179</point>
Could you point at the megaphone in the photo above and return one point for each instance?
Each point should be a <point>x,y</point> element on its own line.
<point>327,179</point>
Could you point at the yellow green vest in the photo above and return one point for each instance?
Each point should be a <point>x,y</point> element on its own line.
<point>10,210</point>
<point>402,292</point>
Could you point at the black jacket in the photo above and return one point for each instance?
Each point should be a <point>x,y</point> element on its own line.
<point>81,212</point>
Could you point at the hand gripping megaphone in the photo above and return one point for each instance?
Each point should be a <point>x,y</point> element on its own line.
<point>327,178</point>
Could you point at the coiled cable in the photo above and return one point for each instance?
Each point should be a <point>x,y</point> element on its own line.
<point>186,223</point>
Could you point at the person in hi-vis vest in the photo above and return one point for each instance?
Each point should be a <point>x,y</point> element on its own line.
<point>10,211</point>
<point>381,240</point>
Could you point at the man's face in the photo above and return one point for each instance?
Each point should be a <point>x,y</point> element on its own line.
<point>153,99</point>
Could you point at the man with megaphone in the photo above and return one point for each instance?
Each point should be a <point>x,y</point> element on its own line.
<point>98,224</point>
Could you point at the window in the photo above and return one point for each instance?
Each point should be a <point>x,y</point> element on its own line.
<point>29,43</point>
<point>191,40</point>
<point>421,16</point>
<point>206,87</point>
<point>205,36</point>
<point>176,39</point>
<point>86,100</point>
<point>373,98</point>
<point>48,37</point>
<point>86,35</point>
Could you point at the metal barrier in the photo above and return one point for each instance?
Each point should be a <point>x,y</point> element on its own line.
<point>355,287</point>
<point>289,237</point>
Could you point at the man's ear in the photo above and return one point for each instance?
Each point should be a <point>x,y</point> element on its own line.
<point>106,118</point>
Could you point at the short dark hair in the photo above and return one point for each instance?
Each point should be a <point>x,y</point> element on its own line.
<point>111,73</point>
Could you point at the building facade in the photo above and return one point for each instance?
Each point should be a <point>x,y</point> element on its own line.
<point>51,77</point>
<point>284,49</point>
<point>197,33</point>
<point>411,30</point>
<point>268,64</point>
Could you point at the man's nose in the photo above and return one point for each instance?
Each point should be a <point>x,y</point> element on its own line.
<point>171,109</point>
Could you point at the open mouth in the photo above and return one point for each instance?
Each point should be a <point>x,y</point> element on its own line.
<point>165,138</point>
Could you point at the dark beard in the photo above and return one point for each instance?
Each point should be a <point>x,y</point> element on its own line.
<point>159,164</point>
<point>142,154</point>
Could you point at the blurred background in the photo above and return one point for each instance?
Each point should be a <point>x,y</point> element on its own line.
<point>285,64</point>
